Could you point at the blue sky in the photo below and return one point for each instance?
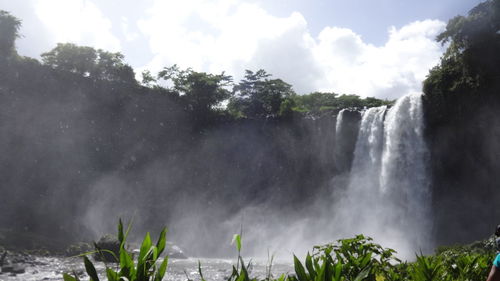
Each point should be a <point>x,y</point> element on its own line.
<point>370,18</point>
<point>380,48</point>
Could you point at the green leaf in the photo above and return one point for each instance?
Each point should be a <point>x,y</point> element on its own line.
<point>145,247</point>
<point>363,274</point>
<point>299,269</point>
<point>121,237</point>
<point>199,270</point>
<point>162,240</point>
<point>89,267</point>
<point>310,267</point>
<point>338,271</point>
<point>321,274</point>
<point>161,271</point>
<point>67,277</point>
<point>111,274</point>
<point>126,264</point>
<point>237,240</point>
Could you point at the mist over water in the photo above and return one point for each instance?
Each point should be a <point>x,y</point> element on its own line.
<point>386,195</point>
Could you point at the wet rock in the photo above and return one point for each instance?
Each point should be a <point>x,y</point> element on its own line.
<point>78,249</point>
<point>173,251</point>
<point>109,243</point>
<point>2,258</point>
<point>13,268</point>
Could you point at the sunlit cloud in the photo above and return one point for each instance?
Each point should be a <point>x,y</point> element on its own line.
<point>77,21</point>
<point>233,35</point>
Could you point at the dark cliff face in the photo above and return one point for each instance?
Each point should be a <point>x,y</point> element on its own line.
<point>346,141</point>
<point>77,154</point>
<point>462,102</point>
<point>465,167</point>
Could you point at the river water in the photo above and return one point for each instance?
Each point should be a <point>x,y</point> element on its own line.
<point>51,268</point>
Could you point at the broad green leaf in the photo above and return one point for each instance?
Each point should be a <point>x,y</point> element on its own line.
<point>126,264</point>
<point>162,240</point>
<point>237,240</point>
<point>145,247</point>
<point>161,270</point>
<point>89,267</point>
<point>299,269</point>
<point>310,267</point>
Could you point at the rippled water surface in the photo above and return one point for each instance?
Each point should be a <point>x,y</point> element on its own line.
<point>51,268</point>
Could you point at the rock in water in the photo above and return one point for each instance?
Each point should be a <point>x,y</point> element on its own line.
<point>174,251</point>
<point>108,243</point>
<point>13,268</point>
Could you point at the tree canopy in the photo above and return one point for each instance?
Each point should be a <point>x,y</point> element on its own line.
<point>201,91</point>
<point>468,71</point>
<point>89,62</point>
<point>258,97</point>
<point>319,102</point>
<point>9,32</point>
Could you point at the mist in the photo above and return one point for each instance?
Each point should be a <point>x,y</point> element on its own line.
<point>82,148</point>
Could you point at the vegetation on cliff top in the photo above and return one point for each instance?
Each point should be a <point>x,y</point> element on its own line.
<point>256,96</point>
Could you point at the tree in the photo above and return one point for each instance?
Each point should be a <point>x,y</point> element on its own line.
<point>72,58</point>
<point>9,32</point>
<point>88,62</point>
<point>202,92</point>
<point>317,102</point>
<point>468,73</point>
<point>258,97</point>
<point>110,66</point>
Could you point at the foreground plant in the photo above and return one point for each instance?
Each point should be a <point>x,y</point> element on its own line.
<point>147,268</point>
<point>356,259</point>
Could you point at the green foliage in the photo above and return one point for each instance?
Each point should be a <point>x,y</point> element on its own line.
<point>318,102</point>
<point>353,259</point>
<point>258,97</point>
<point>147,268</point>
<point>201,92</point>
<point>467,76</point>
<point>9,32</point>
<point>359,256</point>
<point>89,62</point>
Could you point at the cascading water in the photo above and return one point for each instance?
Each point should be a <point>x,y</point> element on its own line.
<point>338,124</point>
<point>388,195</point>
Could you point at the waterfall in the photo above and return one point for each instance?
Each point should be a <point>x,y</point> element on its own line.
<point>368,150</point>
<point>404,178</point>
<point>338,123</point>
<point>388,195</point>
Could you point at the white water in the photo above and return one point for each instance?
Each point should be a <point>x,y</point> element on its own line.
<point>388,195</point>
<point>338,124</point>
<point>52,268</point>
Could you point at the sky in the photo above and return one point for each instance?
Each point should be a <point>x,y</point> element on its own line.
<point>379,48</point>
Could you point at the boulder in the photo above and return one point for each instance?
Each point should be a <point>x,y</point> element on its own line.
<point>13,268</point>
<point>175,252</point>
<point>108,249</point>
<point>78,249</point>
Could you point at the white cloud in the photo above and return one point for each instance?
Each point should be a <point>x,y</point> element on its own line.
<point>77,21</point>
<point>232,35</point>
<point>388,71</point>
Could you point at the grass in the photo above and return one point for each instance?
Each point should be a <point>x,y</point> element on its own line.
<point>353,259</point>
